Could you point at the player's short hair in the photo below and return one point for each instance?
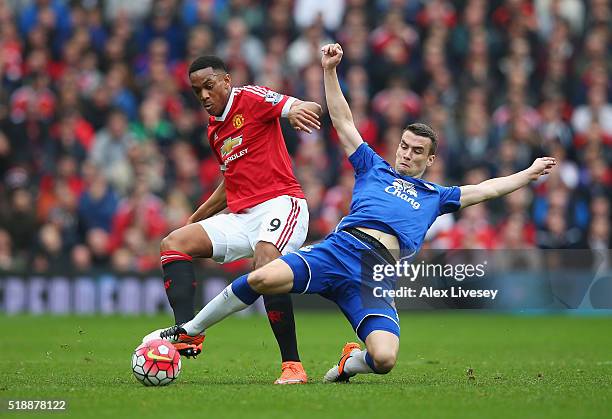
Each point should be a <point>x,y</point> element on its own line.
<point>424,130</point>
<point>206,61</point>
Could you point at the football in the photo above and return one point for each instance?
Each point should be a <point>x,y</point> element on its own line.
<point>156,363</point>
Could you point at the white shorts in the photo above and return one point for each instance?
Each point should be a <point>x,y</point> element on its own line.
<point>282,221</point>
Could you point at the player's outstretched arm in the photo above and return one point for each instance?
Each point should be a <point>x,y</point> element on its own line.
<point>214,204</point>
<point>494,188</point>
<point>339,110</point>
<point>304,115</point>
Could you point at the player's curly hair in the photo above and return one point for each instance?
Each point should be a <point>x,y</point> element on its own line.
<point>424,130</point>
<point>206,61</point>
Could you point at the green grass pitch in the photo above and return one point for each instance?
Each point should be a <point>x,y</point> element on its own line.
<point>521,366</point>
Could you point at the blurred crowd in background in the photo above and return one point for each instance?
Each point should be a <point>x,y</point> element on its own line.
<point>103,146</point>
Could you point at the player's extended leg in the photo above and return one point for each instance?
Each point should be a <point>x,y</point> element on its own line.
<point>280,314</point>
<point>177,250</point>
<point>274,278</point>
<point>379,357</point>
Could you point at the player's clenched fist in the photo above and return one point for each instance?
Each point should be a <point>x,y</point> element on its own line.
<point>540,167</point>
<point>332,55</point>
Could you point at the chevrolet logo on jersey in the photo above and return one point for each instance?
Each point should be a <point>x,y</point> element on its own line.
<point>229,145</point>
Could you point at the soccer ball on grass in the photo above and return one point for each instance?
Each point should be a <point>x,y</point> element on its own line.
<point>156,363</point>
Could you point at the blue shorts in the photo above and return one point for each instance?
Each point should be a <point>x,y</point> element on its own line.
<point>339,269</point>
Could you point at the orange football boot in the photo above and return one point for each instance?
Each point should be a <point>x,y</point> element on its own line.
<point>337,374</point>
<point>189,346</point>
<point>292,373</point>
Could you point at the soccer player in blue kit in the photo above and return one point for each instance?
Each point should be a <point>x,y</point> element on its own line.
<point>392,208</point>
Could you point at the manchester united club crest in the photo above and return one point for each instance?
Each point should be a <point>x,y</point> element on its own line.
<point>238,121</point>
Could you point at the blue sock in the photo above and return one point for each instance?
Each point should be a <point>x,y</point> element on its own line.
<point>243,290</point>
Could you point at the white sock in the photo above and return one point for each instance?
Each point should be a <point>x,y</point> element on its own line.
<point>357,364</point>
<point>217,309</point>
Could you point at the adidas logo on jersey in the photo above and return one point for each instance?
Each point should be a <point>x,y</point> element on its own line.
<point>405,191</point>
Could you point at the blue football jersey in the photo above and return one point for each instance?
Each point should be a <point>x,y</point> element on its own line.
<point>400,205</point>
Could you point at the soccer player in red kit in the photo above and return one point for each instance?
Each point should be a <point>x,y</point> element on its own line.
<point>268,215</point>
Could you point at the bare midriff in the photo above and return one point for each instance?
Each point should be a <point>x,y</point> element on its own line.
<point>388,240</point>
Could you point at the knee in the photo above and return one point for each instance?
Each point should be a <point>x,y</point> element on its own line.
<point>259,280</point>
<point>173,241</point>
<point>384,359</point>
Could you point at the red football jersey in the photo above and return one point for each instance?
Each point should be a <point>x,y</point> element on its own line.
<point>250,147</point>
